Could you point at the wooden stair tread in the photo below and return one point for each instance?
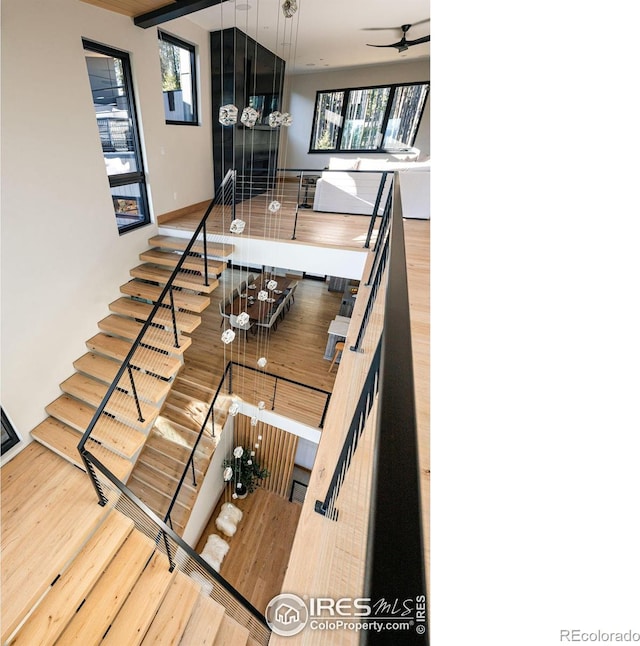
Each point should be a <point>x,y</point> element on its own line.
<point>204,623</point>
<point>166,463</point>
<point>176,432</point>
<point>171,259</point>
<point>165,483</point>
<point>139,610</point>
<point>158,500</point>
<point>185,280</point>
<point>63,440</point>
<point>166,450</point>
<point>152,362</point>
<point>113,434</point>
<point>180,244</point>
<point>172,618</point>
<point>141,311</point>
<point>120,405</point>
<point>181,299</point>
<point>107,596</point>
<point>129,328</point>
<point>148,387</point>
<point>60,604</point>
<point>231,632</point>
<point>37,547</point>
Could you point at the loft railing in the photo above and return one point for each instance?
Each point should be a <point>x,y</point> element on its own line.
<point>227,378</point>
<point>384,419</point>
<point>294,189</point>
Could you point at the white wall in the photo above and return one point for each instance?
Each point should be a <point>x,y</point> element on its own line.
<point>290,255</point>
<point>300,102</point>
<point>211,487</point>
<point>62,258</point>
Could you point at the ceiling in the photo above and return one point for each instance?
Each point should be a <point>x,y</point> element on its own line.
<point>322,34</point>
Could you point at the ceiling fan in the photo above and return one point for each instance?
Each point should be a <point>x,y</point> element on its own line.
<point>403,44</point>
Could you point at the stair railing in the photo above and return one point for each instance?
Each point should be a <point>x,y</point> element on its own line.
<point>227,377</point>
<point>227,187</point>
<point>179,554</point>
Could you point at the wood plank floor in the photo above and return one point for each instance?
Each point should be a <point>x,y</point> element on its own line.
<point>295,350</point>
<point>259,551</point>
<point>312,227</point>
<point>48,509</point>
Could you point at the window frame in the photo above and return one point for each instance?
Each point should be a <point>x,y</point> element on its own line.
<point>177,42</point>
<point>383,126</point>
<point>137,177</point>
<point>13,438</point>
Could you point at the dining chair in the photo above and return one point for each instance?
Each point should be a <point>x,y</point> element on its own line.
<point>291,295</point>
<point>223,315</point>
<point>272,324</point>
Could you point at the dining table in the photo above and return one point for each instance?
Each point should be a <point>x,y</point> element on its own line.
<point>247,300</point>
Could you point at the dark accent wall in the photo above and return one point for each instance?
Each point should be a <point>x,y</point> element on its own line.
<point>241,69</point>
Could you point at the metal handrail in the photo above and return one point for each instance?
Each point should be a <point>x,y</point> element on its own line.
<point>91,463</point>
<point>229,177</point>
<point>228,372</point>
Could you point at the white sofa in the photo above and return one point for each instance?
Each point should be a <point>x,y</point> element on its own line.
<point>351,186</point>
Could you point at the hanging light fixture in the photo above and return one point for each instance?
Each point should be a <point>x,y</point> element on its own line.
<point>289,7</point>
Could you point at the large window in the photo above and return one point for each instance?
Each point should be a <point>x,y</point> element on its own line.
<point>371,119</point>
<point>113,101</point>
<point>9,436</point>
<point>178,65</point>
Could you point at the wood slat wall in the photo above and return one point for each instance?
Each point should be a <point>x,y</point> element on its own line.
<point>277,452</point>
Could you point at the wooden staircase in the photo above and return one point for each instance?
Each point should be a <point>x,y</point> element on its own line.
<point>157,472</point>
<point>120,433</point>
<point>119,590</point>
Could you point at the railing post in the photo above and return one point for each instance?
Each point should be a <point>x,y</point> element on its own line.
<point>324,412</point>
<point>295,220</point>
<point>172,565</point>
<point>206,261</point>
<point>135,394</point>
<point>173,319</point>
<point>273,401</point>
<point>102,499</point>
<point>374,215</point>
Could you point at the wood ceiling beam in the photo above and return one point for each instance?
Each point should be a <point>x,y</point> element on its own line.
<point>172,11</point>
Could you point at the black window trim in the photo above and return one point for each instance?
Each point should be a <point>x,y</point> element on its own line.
<point>138,177</point>
<point>169,38</point>
<point>343,114</point>
<point>7,426</point>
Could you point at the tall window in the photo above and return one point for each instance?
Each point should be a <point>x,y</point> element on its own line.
<point>9,436</point>
<point>114,104</point>
<point>371,119</point>
<point>178,65</point>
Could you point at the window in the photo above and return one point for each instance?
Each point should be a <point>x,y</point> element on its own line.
<point>9,436</point>
<point>373,119</point>
<point>178,65</point>
<point>114,104</point>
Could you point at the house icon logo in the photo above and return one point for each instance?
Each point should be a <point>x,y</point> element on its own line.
<point>287,614</point>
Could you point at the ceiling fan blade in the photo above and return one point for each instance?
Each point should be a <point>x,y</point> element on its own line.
<point>394,45</point>
<point>417,41</point>
<point>420,22</point>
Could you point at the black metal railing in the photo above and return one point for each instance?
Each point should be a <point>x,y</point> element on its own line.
<point>128,364</point>
<point>395,533</point>
<point>227,377</point>
<point>179,554</point>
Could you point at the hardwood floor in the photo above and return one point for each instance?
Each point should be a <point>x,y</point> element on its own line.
<point>294,350</point>
<point>259,551</point>
<point>312,227</point>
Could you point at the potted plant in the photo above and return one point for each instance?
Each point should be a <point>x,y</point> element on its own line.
<point>243,471</point>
